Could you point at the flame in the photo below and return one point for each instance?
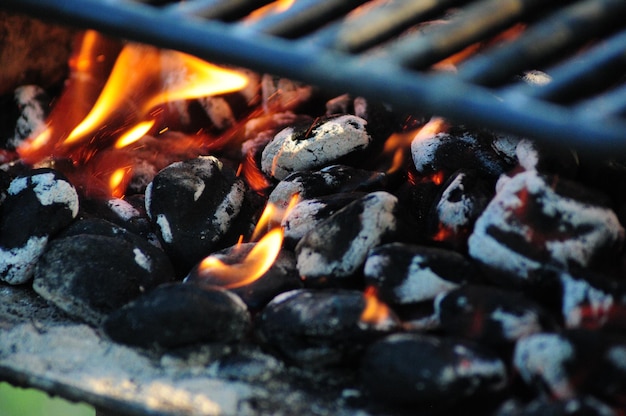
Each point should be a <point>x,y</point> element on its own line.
<point>254,265</point>
<point>118,181</point>
<point>276,7</point>
<point>165,76</point>
<point>437,178</point>
<point>134,134</point>
<point>114,96</point>
<point>375,311</point>
<point>272,216</point>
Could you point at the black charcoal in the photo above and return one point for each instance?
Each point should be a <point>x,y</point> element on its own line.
<point>38,205</point>
<point>192,205</point>
<point>592,300</point>
<point>330,180</point>
<point>96,267</point>
<point>574,363</point>
<point>578,406</point>
<point>458,149</point>
<point>282,276</point>
<point>33,106</point>
<point>490,316</point>
<point>322,327</point>
<point>310,147</point>
<point>545,159</point>
<point>536,220</point>
<point>180,314</point>
<point>308,214</point>
<point>414,369</point>
<point>405,274</point>
<point>465,196</point>
<point>339,245</point>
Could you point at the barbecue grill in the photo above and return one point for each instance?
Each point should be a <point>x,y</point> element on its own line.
<point>368,48</point>
<point>385,50</point>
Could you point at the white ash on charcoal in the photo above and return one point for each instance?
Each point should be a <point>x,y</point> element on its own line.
<point>532,155</point>
<point>430,373</point>
<point>26,115</point>
<point>192,205</point>
<point>329,180</point>
<point>38,205</point>
<point>317,328</point>
<point>578,406</point>
<point>281,277</point>
<point>128,213</point>
<point>313,146</point>
<point>381,120</point>
<point>337,248</point>
<point>459,149</point>
<point>404,274</point>
<point>590,300</point>
<point>490,316</point>
<point>574,363</point>
<point>95,267</point>
<point>537,220</point>
<point>282,94</point>
<point>464,197</point>
<point>308,214</point>
<point>180,314</point>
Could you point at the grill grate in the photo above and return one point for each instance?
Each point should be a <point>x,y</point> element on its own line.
<point>386,49</point>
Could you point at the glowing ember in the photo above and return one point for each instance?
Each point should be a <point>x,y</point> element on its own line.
<point>118,180</point>
<point>375,311</point>
<point>254,265</point>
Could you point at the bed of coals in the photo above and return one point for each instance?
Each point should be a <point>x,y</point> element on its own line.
<point>483,273</point>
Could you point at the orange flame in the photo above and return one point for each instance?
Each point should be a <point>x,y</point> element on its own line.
<point>375,311</point>
<point>118,181</point>
<point>398,144</point>
<point>166,76</point>
<point>254,265</point>
<point>98,113</point>
<point>276,7</point>
<point>272,216</point>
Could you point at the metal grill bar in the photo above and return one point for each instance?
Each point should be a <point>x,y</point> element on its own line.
<point>464,97</point>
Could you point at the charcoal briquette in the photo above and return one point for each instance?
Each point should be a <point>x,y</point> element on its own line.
<point>192,205</point>
<point>38,205</point>
<point>542,406</point>
<point>459,149</point>
<point>310,147</point>
<point>339,245</point>
<point>306,215</point>
<point>96,267</point>
<point>429,371</point>
<point>536,220</point>
<point>329,180</point>
<point>281,277</point>
<point>179,314</point>
<point>490,316</point>
<point>572,363</point>
<point>406,274</point>
<point>319,328</point>
<point>33,105</point>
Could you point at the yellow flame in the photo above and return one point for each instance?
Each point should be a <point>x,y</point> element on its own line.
<point>116,181</point>
<point>276,7</point>
<point>134,134</point>
<point>144,77</point>
<point>272,216</point>
<point>255,264</point>
<point>375,311</point>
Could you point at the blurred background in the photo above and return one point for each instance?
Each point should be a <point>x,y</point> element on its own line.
<point>29,402</point>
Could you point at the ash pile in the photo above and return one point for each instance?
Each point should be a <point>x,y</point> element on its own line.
<point>414,265</point>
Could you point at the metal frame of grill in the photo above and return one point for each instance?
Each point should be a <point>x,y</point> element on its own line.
<point>326,43</point>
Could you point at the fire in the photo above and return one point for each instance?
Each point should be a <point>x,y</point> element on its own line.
<point>134,134</point>
<point>375,311</point>
<point>397,145</point>
<point>118,180</point>
<point>276,7</point>
<point>254,265</point>
<point>145,77</point>
<point>114,97</point>
<point>272,216</point>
